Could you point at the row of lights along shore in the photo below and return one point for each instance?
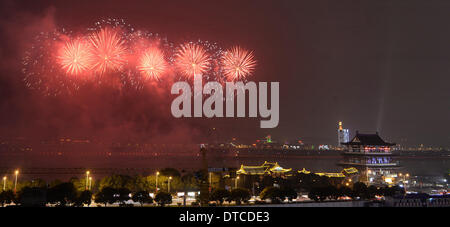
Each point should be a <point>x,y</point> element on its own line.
<point>88,181</point>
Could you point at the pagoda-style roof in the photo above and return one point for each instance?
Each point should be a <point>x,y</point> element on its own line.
<point>266,168</point>
<point>340,175</point>
<point>304,171</point>
<point>368,139</point>
<point>351,170</point>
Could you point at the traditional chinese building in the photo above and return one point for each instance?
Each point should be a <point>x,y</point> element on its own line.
<point>372,157</point>
<point>267,168</point>
<point>252,176</point>
<point>347,174</point>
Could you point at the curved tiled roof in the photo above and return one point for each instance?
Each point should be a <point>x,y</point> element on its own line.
<point>368,139</point>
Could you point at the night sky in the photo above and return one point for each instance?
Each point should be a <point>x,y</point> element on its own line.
<point>375,65</point>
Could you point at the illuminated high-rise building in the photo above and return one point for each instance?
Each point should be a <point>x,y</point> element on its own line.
<point>343,135</point>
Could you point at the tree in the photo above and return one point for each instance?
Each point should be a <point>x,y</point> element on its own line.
<point>163,198</point>
<point>220,195</point>
<point>240,195</point>
<point>117,182</point>
<point>372,191</point>
<point>80,184</point>
<point>332,192</point>
<point>360,190</point>
<point>6,197</point>
<point>190,182</point>
<point>62,194</point>
<point>32,197</point>
<point>346,191</point>
<point>318,194</point>
<point>393,191</point>
<point>308,181</point>
<point>107,195</point>
<point>85,197</point>
<point>142,197</point>
<point>124,195</point>
<point>38,183</point>
<point>170,172</point>
<point>55,182</point>
<point>141,184</point>
<point>289,193</point>
<point>273,193</point>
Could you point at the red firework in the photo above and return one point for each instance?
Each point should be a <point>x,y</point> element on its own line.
<point>192,59</point>
<point>75,57</point>
<point>238,63</point>
<point>108,50</point>
<point>152,63</point>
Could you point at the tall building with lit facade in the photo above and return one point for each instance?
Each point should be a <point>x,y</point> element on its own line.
<point>343,135</point>
<point>372,157</point>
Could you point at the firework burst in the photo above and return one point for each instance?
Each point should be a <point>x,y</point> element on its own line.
<point>192,59</point>
<point>108,50</point>
<point>75,56</point>
<point>238,63</point>
<point>152,63</point>
<point>113,52</point>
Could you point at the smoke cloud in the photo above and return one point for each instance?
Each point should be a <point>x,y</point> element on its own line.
<point>104,113</point>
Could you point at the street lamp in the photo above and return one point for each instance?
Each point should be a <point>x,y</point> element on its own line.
<point>210,179</point>
<point>87,180</point>
<point>236,182</point>
<point>157,174</point>
<point>90,183</point>
<point>168,185</point>
<point>4,183</point>
<point>405,180</point>
<point>15,182</point>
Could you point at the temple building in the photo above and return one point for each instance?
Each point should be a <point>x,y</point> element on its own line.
<point>252,176</point>
<point>347,174</point>
<point>372,157</point>
<point>267,168</point>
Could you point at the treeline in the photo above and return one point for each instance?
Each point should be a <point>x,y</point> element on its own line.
<point>118,189</point>
<point>65,194</point>
<point>107,190</point>
<point>358,191</point>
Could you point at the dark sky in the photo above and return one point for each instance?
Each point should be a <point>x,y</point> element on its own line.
<point>375,65</point>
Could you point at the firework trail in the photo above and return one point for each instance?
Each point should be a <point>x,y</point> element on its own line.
<point>108,50</point>
<point>75,56</point>
<point>192,59</point>
<point>152,63</point>
<point>238,63</point>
